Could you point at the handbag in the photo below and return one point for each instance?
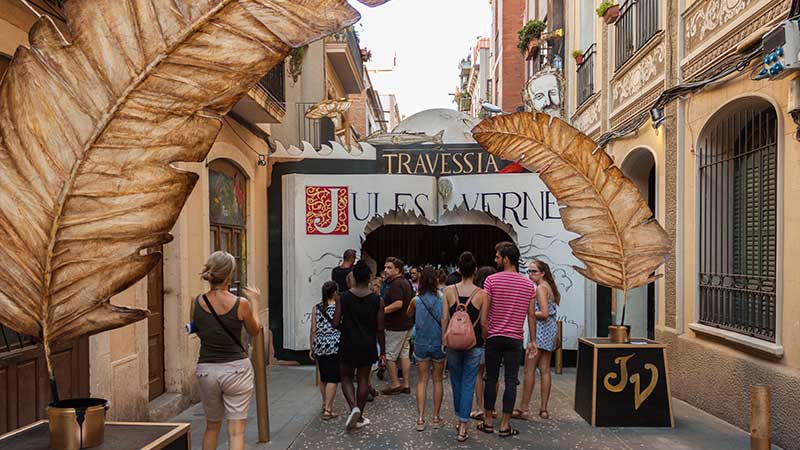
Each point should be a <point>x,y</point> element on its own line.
<point>219,321</point>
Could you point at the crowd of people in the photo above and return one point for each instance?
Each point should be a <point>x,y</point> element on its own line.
<point>470,322</point>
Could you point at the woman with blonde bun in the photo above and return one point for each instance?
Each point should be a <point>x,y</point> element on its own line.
<point>224,371</point>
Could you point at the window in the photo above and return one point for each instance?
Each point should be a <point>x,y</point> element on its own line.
<point>738,202</point>
<point>639,20</point>
<point>228,216</point>
<point>586,76</point>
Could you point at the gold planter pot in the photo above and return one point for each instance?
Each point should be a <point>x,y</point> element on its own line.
<point>618,334</point>
<point>77,423</point>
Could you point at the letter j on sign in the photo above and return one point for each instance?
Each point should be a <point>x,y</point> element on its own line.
<point>327,210</point>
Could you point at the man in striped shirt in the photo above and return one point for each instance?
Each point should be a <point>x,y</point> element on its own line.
<point>511,297</point>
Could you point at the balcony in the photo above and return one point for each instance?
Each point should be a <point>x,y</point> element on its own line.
<point>266,101</point>
<point>315,132</point>
<point>586,76</point>
<point>639,20</point>
<point>344,53</point>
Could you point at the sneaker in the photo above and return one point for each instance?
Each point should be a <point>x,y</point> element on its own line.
<point>352,419</point>
<point>362,423</point>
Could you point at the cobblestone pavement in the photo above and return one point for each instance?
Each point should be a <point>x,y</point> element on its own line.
<point>393,420</point>
<point>295,424</point>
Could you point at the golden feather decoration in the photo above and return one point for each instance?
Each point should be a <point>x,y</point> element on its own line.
<point>620,242</point>
<point>90,122</point>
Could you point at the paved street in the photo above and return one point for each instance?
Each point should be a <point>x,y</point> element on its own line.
<point>294,407</point>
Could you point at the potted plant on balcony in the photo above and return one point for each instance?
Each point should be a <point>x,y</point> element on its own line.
<point>609,11</point>
<point>529,36</point>
<point>578,55</point>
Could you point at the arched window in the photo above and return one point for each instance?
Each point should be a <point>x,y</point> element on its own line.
<point>228,215</point>
<point>738,203</point>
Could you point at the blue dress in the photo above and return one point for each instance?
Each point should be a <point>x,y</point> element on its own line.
<point>547,330</point>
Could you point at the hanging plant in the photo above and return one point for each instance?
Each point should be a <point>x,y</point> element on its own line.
<point>609,11</point>
<point>578,55</point>
<point>532,30</point>
<point>296,56</point>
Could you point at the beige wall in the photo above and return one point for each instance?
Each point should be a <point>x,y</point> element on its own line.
<point>119,358</point>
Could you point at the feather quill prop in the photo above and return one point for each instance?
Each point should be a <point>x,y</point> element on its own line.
<point>620,242</point>
<point>91,121</point>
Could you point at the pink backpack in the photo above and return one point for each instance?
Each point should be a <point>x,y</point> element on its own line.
<point>460,334</point>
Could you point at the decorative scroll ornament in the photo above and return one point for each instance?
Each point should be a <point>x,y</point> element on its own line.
<point>589,119</point>
<point>715,14</point>
<point>91,122</point>
<point>637,78</point>
<point>619,241</point>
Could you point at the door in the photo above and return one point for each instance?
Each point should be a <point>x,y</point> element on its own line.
<point>24,383</point>
<point>155,328</point>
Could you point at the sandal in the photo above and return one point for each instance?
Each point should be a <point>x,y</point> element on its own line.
<point>484,427</point>
<point>476,415</point>
<point>420,425</point>
<point>462,436</point>
<point>437,422</point>
<point>544,414</point>
<point>328,415</point>
<point>520,414</point>
<point>508,433</point>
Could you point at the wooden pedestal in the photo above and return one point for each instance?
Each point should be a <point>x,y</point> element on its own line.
<point>623,385</point>
<point>118,436</point>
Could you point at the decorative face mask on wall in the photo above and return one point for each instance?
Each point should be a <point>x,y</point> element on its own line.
<point>543,92</point>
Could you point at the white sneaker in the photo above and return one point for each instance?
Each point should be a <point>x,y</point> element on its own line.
<point>364,422</point>
<point>352,419</point>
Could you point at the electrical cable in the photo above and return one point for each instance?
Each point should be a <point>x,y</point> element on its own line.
<point>262,157</point>
<point>714,74</point>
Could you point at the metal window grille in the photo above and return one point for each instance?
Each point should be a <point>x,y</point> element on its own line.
<point>586,76</point>
<point>638,21</point>
<point>315,132</point>
<point>272,84</point>
<point>738,222</point>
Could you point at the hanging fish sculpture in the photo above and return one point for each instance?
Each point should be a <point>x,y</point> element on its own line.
<point>404,138</point>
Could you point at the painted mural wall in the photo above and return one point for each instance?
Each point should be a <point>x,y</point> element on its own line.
<point>326,214</point>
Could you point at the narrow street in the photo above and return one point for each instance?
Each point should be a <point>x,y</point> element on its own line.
<point>296,425</point>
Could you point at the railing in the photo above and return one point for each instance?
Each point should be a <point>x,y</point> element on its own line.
<point>348,36</point>
<point>11,340</point>
<point>272,86</point>
<point>638,21</point>
<point>586,76</point>
<point>738,222</point>
<point>315,132</point>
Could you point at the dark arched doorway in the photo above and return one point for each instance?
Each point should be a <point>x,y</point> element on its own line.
<point>418,241</point>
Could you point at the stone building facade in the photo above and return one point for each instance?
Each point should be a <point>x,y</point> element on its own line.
<point>719,166</point>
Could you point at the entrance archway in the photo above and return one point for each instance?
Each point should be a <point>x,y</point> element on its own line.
<point>418,241</point>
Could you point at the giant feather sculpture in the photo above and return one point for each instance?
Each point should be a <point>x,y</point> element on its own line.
<point>91,118</point>
<point>620,242</point>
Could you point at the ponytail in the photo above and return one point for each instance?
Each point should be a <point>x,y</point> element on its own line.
<point>328,289</point>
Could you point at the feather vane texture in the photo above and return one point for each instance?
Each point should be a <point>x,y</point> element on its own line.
<point>90,122</point>
<point>620,242</point>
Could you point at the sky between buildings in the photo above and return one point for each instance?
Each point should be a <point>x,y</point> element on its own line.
<point>429,39</point>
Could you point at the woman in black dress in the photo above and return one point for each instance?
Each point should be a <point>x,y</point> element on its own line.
<point>359,316</point>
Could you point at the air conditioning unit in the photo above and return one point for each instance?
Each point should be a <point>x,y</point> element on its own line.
<point>781,50</point>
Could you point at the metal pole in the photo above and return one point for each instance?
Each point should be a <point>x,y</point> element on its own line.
<point>262,395</point>
<point>559,350</point>
<point>760,418</point>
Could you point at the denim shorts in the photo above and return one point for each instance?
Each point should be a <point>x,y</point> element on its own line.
<point>429,352</point>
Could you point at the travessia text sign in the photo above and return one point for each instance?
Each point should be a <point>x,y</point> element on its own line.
<point>439,162</point>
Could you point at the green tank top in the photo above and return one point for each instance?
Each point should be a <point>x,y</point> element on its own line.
<point>215,344</point>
